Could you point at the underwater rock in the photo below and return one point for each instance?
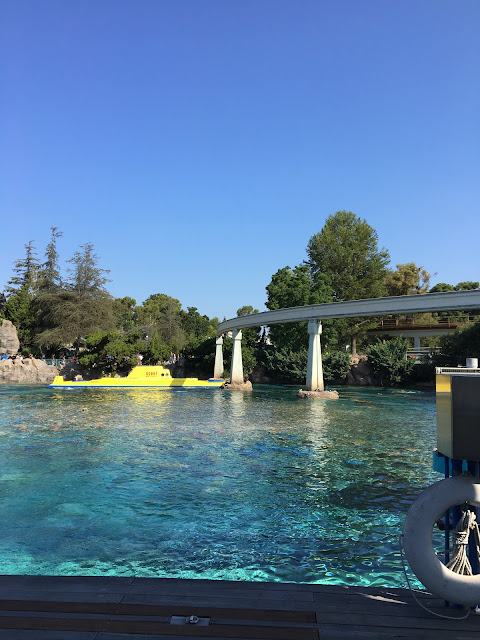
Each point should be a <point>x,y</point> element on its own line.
<point>238,386</point>
<point>322,395</point>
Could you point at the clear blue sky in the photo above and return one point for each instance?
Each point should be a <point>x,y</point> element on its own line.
<point>199,144</point>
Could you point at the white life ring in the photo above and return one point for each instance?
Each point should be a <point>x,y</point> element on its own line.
<point>427,509</point>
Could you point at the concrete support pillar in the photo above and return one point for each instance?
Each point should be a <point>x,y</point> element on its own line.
<point>314,366</point>
<point>417,343</point>
<point>237,365</point>
<point>218,368</point>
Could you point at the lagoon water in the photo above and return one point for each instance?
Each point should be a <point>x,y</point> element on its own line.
<point>211,484</point>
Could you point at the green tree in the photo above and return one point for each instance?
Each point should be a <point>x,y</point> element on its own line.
<point>285,366</point>
<point>87,280</point>
<point>389,361</point>
<point>200,356</point>
<point>196,326</point>
<point>20,311</point>
<point>456,347</point>
<point>294,288</point>
<point>346,251</point>
<point>49,278</point>
<point>442,287</point>
<point>81,307</point>
<point>336,366</point>
<point>25,273</point>
<point>125,311</point>
<point>21,290</point>
<point>461,286</point>
<point>49,283</point>
<point>161,314</point>
<point>467,286</point>
<point>111,351</point>
<point>408,279</point>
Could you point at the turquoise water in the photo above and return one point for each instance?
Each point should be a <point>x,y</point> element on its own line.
<point>211,484</point>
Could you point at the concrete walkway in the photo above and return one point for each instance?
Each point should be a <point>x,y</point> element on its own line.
<point>91,608</point>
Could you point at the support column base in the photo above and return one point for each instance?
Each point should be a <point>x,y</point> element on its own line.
<point>321,395</point>
<point>238,386</point>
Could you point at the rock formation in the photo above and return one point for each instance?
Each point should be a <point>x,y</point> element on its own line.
<point>9,343</point>
<point>322,395</point>
<point>26,371</point>
<point>238,386</point>
<point>360,372</point>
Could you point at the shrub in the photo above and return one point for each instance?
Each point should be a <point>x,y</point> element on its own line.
<point>284,365</point>
<point>389,361</point>
<point>336,366</point>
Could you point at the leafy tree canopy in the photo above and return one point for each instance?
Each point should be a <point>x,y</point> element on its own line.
<point>442,287</point>
<point>336,366</point>
<point>346,251</point>
<point>456,347</point>
<point>125,312</point>
<point>49,273</point>
<point>25,273</point>
<point>294,288</point>
<point>285,366</point>
<point>21,290</point>
<point>461,286</point>
<point>250,338</point>
<point>389,361</point>
<point>87,279</point>
<point>406,280</point>
<point>466,286</point>
<point>162,315</point>
<point>82,306</point>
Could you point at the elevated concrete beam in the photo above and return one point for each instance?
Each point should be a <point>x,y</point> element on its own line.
<point>448,301</point>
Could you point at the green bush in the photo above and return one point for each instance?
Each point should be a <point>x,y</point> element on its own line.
<point>388,361</point>
<point>456,347</point>
<point>336,366</point>
<point>285,366</point>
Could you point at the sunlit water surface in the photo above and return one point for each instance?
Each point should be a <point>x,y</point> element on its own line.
<point>210,483</point>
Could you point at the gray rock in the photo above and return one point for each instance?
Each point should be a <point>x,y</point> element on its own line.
<point>318,395</point>
<point>27,371</point>
<point>238,386</point>
<point>360,372</point>
<point>9,343</point>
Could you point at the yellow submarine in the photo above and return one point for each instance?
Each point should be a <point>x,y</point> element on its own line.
<point>141,376</point>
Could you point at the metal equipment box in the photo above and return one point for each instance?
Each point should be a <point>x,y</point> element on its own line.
<point>458,418</point>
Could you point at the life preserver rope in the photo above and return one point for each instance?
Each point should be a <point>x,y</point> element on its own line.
<point>427,509</point>
<point>460,562</point>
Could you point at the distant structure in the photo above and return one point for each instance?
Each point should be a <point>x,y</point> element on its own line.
<point>314,314</point>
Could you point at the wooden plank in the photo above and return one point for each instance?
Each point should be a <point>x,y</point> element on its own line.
<point>228,603</point>
<point>36,634</point>
<point>354,632</point>
<point>215,591</point>
<point>158,610</point>
<point>472,623</point>
<point>94,584</point>
<point>158,628</point>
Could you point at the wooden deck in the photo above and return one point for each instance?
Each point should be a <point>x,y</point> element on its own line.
<point>90,608</point>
